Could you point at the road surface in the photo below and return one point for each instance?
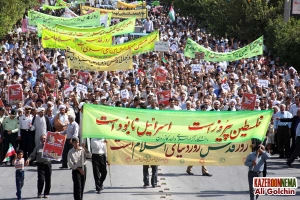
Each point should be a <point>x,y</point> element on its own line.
<point>227,183</point>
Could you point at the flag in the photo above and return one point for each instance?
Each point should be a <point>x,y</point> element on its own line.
<point>10,152</point>
<point>164,61</point>
<point>172,14</point>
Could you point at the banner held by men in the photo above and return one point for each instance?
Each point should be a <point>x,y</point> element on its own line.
<point>145,153</point>
<point>253,49</point>
<point>76,60</point>
<point>153,125</point>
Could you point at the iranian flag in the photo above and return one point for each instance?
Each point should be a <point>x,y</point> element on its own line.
<point>172,14</point>
<point>10,152</point>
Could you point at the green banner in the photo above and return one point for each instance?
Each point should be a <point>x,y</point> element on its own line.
<point>253,49</point>
<point>137,46</point>
<point>52,39</point>
<point>92,19</point>
<point>121,28</point>
<point>144,125</point>
<point>86,29</point>
<point>52,7</point>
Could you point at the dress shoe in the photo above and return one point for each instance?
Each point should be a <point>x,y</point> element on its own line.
<point>207,174</point>
<point>289,165</point>
<point>146,185</point>
<point>190,173</point>
<point>63,167</point>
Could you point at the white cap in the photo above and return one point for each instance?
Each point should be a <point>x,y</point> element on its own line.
<point>40,109</point>
<point>62,107</point>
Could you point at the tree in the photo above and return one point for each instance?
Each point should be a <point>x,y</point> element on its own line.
<point>242,19</point>
<point>284,40</point>
<point>11,11</point>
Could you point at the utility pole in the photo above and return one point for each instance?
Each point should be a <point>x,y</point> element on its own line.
<point>287,10</point>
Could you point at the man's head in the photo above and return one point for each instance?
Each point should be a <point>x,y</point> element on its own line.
<point>71,118</point>
<point>216,105</point>
<point>62,109</point>
<point>75,142</point>
<point>41,111</point>
<point>43,139</point>
<point>282,107</point>
<point>13,113</point>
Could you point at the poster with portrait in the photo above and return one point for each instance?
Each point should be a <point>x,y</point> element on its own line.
<point>15,94</point>
<point>54,146</point>
<point>248,101</point>
<point>163,97</point>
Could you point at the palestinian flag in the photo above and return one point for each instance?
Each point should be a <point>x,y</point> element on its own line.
<point>172,14</point>
<point>10,152</point>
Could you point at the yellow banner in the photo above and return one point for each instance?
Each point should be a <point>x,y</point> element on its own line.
<point>144,153</point>
<point>76,60</point>
<point>121,28</point>
<point>121,14</point>
<point>51,39</point>
<point>121,4</point>
<point>140,45</point>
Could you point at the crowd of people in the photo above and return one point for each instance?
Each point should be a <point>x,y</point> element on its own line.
<point>24,125</point>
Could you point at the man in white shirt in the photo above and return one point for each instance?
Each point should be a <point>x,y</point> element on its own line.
<point>294,108</point>
<point>26,132</point>
<point>148,26</point>
<point>172,105</point>
<point>99,162</point>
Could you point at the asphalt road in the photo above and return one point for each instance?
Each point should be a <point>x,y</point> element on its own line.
<point>127,183</point>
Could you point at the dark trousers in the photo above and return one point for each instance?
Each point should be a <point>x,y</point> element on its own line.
<point>146,175</point>
<point>19,182</point>
<point>283,141</point>
<point>251,175</point>
<point>99,170</point>
<point>44,176</point>
<point>293,143</point>
<point>27,142</point>
<point>66,150</point>
<point>296,151</point>
<point>9,139</point>
<point>78,184</point>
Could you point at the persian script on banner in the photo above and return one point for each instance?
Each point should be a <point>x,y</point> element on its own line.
<point>54,146</point>
<point>153,125</point>
<point>140,45</point>
<point>76,60</point>
<point>92,19</point>
<point>253,49</point>
<point>52,39</point>
<point>121,14</point>
<point>123,27</point>
<point>145,153</point>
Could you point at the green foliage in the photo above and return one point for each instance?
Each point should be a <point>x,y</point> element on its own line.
<point>11,11</point>
<point>284,40</point>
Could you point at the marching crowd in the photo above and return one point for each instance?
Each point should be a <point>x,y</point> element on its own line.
<point>24,125</point>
